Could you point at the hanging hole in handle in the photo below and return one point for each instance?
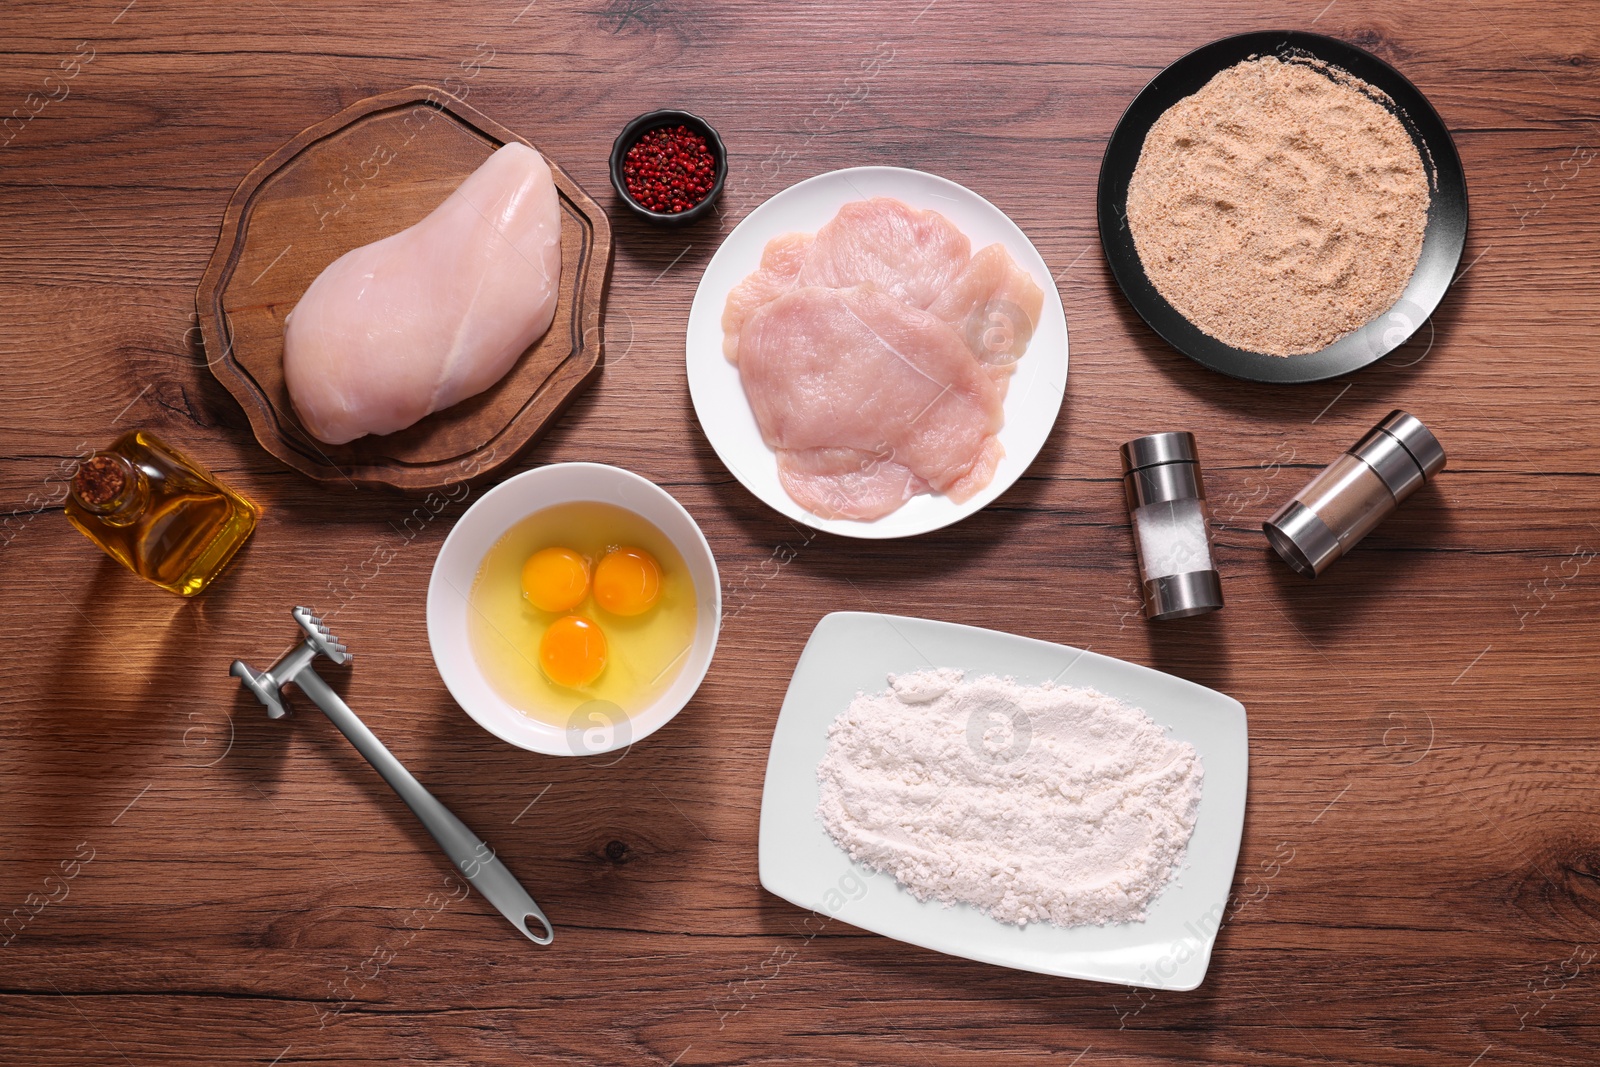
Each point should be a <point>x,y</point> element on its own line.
<point>549,931</point>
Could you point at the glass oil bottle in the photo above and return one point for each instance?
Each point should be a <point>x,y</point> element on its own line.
<point>158,512</point>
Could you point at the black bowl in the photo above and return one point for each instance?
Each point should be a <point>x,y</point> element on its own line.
<point>1442,240</point>
<point>655,120</point>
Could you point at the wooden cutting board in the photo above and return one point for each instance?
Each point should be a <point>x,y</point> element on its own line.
<point>363,174</point>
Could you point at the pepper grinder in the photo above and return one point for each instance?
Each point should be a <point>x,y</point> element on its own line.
<point>1167,499</point>
<point>1354,493</point>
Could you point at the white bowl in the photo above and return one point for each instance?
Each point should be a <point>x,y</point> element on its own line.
<point>594,729</point>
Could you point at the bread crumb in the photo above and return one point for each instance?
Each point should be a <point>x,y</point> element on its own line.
<point>1280,207</point>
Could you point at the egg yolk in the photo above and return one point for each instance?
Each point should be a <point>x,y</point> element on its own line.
<point>627,581</point>
<point>573,651</point>
<point>555,579</point>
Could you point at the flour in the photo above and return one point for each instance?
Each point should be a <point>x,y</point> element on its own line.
<point>1032,803</point>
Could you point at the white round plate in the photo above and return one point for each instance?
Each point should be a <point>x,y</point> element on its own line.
<point>1032,402</point>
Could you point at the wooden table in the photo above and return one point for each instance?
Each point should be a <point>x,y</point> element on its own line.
<point>1420,875</point>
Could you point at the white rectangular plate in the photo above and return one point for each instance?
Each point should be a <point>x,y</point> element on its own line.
<point>853,652</point>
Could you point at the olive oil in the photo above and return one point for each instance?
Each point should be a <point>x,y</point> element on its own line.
<point>159,513</point>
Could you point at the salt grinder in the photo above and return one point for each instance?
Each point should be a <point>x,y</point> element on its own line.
<point>1354,493</point>
<point>1167,499</point>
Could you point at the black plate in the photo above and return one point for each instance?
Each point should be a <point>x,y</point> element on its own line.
<point>1442,240</point>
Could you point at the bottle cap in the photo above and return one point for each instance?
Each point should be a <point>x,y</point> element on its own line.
<point>1158,448</point>
<point>1403,452</point>
<point>1161,467</point>
<point>106,483</point>
<point>1178,596</point>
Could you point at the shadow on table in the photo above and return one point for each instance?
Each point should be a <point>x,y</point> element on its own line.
<point>119,705</point>
<point>880,963</point>
<point>1196,648</point>
<point>1360,586</point>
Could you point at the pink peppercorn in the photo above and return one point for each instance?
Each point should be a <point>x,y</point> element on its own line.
<point>669,169</point>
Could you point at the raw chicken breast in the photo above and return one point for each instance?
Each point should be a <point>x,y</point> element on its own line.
<point>908,253</point>
<point>876,354</point>
<point>439,312</point>
<point>780,264</point>
<point>867,401</point>
<point>846,483</point>
<point>994,305</point>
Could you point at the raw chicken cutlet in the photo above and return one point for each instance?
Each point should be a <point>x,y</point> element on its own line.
<point>434,314</point>
<point>995,306</point>
<point>868,401</point>
<point>859,348</point>
<point>911,254</point>
<point>781,261</point>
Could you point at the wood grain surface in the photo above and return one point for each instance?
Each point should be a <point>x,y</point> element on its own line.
<point>1420,876</point>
